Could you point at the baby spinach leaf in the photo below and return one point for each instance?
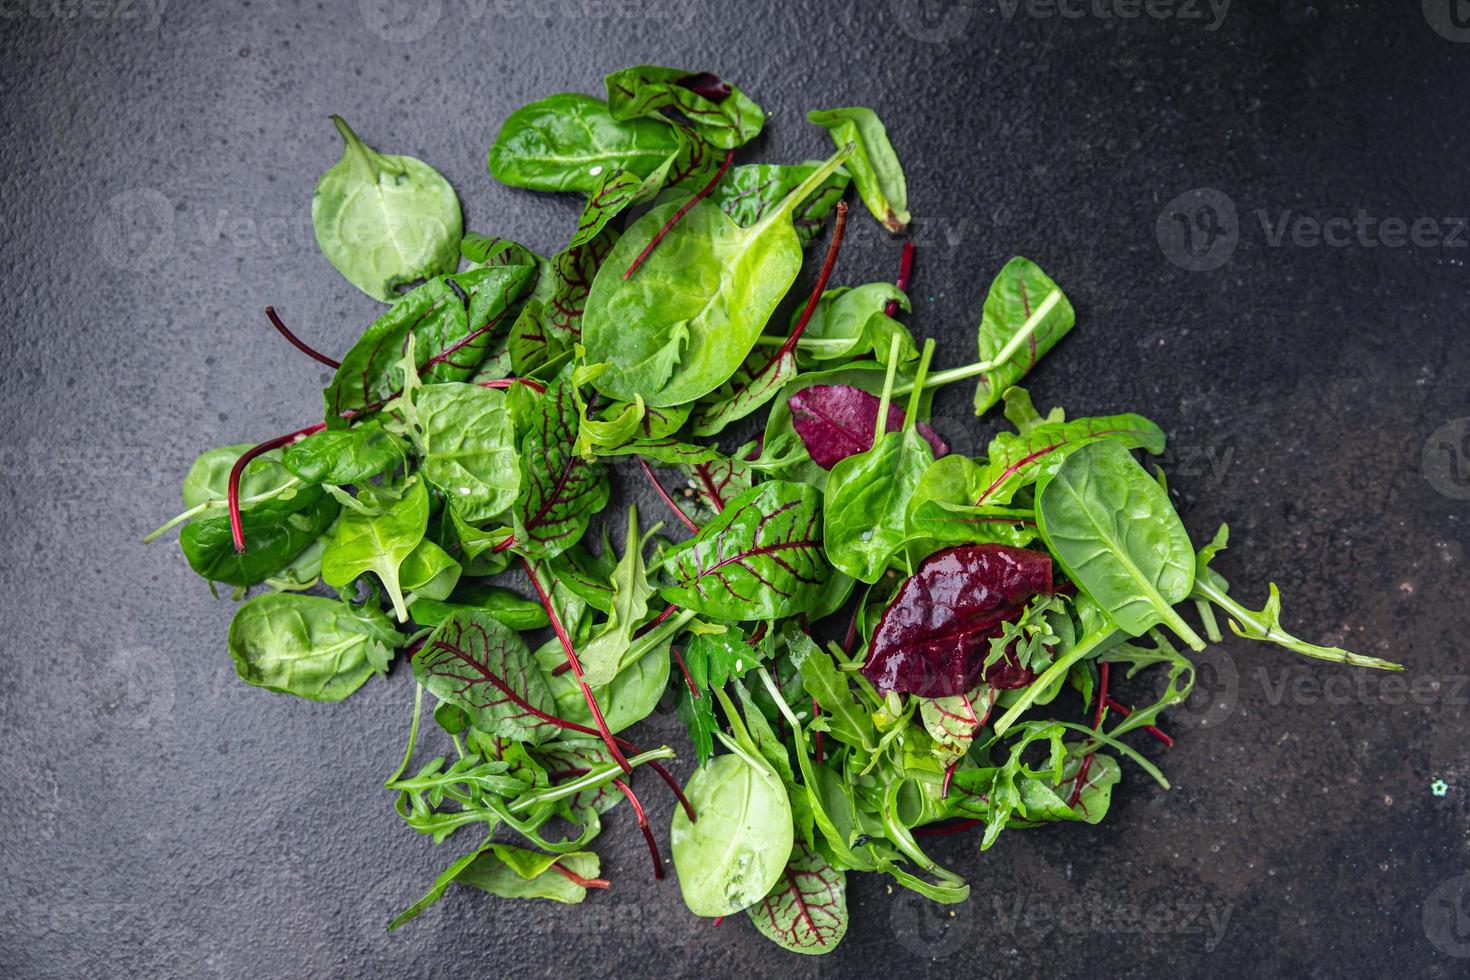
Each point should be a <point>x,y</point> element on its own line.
<point>385,221</point>
<point>942,509</point>
<point>273,537</point>
<point>933,636</point>
<point>749,191</point>
<point>760,558</point>
<point>1112,528</point>
<point>837,421</point>
<point>627,699</point>
<point>1020,292</point>
<point>428,572</point>
<point>874,166</point>
<point>850,322</point>
<point>806,910</point>
<point>475,662</point>
<point>688,316</point>
<point>264,478</point>
<point>723,115</point>
<point>452,320</point>
<point>315,648</point>
<point>567,142</point>
<point>378,538</point>
<point>465,436</point>
<point>513,872</point>
<point>737,851</point>
<point>511,608</point>
<point>1017,460</point>
<point>585,575</point>
<point>345,456</point>
<point>867,501</point>
<point>560,490</point>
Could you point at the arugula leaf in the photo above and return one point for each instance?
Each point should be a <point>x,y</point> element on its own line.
<point>376,537</point>
<point>315,648</point>
<point>385,221</point>
<point>602,654</point>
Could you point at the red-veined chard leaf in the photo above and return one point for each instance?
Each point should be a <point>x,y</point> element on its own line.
<point>1019,292</point>
<point>807,910</point>
<point>722,114</point>
<point>452,320</point>
<point>1018,460</point>
<point>953,721</point>
<point>931,639</point>
<point>837,421</point>
<point>560,490</point>
<point>477,663</point>
<point>717,482</point>
<point>761,558</point>
<point>667,451</point>
<point>750,190</point>
<point>573,270</point>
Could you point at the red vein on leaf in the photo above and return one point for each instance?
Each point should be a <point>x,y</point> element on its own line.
<point>905,268</point>
<point>566,645</point>
<point>232,494</point>
<point>664,494</point>
<point>297,342</point>
<point>1102,702</point>
<point>535,386</point>
<point>839,225</point>
<point>658,864</point>
<point>654,623</point>
<point>1155,732</point>
<point>684,669</point>
<point>817,742</point>
<point>577,879</point>
<point>669,225</point>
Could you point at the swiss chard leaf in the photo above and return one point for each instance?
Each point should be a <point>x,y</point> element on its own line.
<point>874,165</point>
<point>749,191</point>
<point>760,558</point>
<point>567,142</point>
<point>1020,292</point>
<point>385,221</point>
<point>932,638</point>
<point>806,910</point>
<point>1017,460</point>
<point>560,490</point>
<point>722,115</point>
<point>315,648</point>
<point>451,319</point>
<point>477,663</point>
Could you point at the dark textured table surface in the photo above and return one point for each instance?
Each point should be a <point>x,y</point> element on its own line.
<point>159,818</point>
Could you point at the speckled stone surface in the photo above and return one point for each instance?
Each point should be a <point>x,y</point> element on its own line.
<point>160,819</point>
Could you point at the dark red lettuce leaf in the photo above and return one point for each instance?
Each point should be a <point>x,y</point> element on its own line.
<point>932,638</point>
<point>706,85</point>
<point>836,421</point>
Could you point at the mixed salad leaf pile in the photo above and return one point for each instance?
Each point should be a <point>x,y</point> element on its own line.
<point>448,512</point>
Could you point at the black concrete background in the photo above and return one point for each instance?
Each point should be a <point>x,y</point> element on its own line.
<point>158,818</point>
